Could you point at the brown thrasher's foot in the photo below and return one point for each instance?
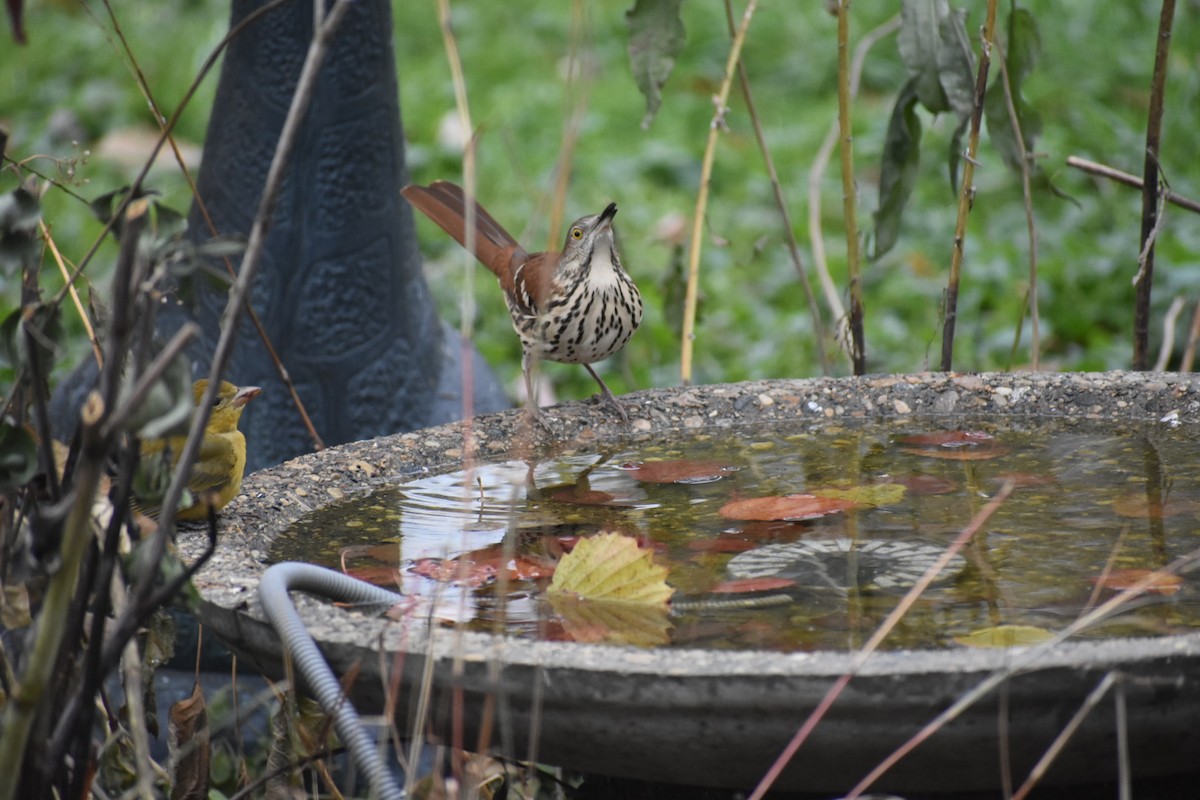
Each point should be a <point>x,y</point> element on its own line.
<point>612,398</point>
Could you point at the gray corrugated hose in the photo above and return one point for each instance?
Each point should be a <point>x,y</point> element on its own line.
<point>273,590</point>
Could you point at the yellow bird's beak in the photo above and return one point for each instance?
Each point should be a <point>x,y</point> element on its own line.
<point>245,395</point>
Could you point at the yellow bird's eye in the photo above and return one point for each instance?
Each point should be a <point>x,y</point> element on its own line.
<point>576,233</point>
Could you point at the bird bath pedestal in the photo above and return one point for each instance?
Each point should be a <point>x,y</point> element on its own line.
<point>720,718</point>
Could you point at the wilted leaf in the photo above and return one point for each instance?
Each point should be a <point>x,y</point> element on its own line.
<point>18,456</point>
<point>656,37</point>
<point>1150,581</point>
<point>978,453</point>
<point>923,485</point>
<point>1137,506</point>
<point>870,494</point>
<point>946,438</point>
<point>612,568</point>
<point>677,471</point>
<point>14,607</point>
<point>188,747</point>
<point>918,42</point>
<point>784,507</point>
<point>899,165</point>
<point>1022,48</point>
<point>746,585</point>
<point>1005,636</point>
<point>19,215</point>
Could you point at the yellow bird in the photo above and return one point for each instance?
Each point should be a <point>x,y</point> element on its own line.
<point>216,477</point>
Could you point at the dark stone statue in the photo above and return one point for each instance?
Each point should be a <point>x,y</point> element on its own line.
<point>340,289</point>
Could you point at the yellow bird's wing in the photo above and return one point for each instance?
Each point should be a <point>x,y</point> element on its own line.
<point>215,465</point>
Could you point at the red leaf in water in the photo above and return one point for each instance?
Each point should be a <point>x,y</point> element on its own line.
<point>923,485</point>
<point>1024,480</point>
<point>752,585</point>
<point>677,471</point>
<point>587,497</point>
<point>387,577</point>
<point>722,544</point>
<point>965,452</point>
<point>784,507</point>
<point>946,439</point>
<point>1138,506</point>
<point>1121,579</point>
<point>466,573</point>
<point>524,568</point>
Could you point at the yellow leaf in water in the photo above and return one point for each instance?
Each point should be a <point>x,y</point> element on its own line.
<point>612,568</point>
<point>1005,636</point>
<point>873,494</point>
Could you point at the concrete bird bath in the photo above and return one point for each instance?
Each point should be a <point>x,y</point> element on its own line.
<point>714,718</point>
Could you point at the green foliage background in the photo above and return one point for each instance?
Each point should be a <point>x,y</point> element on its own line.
<point>70,88</point>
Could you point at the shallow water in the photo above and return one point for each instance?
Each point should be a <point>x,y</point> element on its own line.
<point>1090,505</point>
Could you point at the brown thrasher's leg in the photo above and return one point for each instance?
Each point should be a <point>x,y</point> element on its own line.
<point>608,393</point>
<point>532,410</point>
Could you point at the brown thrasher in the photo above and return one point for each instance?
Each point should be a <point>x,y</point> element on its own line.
<point>575,307</point>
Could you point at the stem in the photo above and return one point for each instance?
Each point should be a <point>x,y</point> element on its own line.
<point>710,148</point>
<point>966,195</point>
<point>1150,189</point>
<point>858,346</point>
<point>814,310</point>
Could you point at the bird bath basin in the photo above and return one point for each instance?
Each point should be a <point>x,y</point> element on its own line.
<point>714,717</point>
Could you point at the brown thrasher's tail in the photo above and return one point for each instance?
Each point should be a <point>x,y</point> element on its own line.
<point>446,204</point>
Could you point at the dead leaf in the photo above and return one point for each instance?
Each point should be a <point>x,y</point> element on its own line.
<point>963,453</point>
<point>1149,580</point>
<point>686,471</point>
<point>1138,506</point>
<point>946,439</point>
<point>784,507</point>
<point>188,746</point>
<point>746,585</point>
<point>1005,636</point>
<point>612,568</point>
<point>611,622</point>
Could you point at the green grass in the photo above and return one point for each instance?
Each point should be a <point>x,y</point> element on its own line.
<point>1091,88</point>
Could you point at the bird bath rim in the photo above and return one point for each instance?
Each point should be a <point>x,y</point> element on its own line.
<point>273,499</point>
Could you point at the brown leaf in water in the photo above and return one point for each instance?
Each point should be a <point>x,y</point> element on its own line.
<point>380,576</point>
<point>784,507</point>
<point>722,544</point>
<point>1138,506</point>
<point>925,485</point>
<point>586,497</point>
<point>946,439</point>
<point>982,452</point>
<point>745,585</point>
<point>681,470</point>
<point>1155,582</point>
<point>188,747</point>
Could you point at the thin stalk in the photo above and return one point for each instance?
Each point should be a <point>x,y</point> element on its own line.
<point>710,152</point>
<point>1150,189</point>
<point>966,196</point>
<point>814,310</point>
<point>1105,171</point>
<point>858,345</point>
<point>1035,341</point>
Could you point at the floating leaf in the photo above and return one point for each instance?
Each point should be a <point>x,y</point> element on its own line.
<point>581,496</point>
<point>612,568</point>
<point>869,494</point>
<point>979,452</point>
<point>1005,636</point>
<point>677,471</point>
<point>924,485</point>
<point>745,585</point>
<point>656,37</point>
<point>1138,506</point>
<point>785,507</point>
<point>946,439</point>
<point>1145,580</point>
